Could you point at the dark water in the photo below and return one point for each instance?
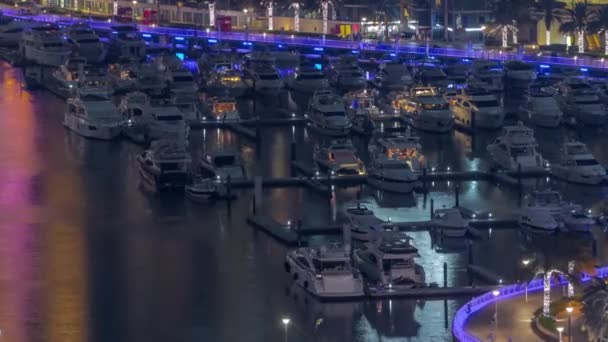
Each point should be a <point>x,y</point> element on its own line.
<point>85,255</point>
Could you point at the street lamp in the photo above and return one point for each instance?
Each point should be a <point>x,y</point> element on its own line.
<point>560,330</point>
<point>569,310</point>
<point>495,293</point>
<point>526,262</point>
<point>285,321</point>
<point>133,9</point>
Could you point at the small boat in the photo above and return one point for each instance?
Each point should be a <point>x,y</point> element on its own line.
<point>221,165</point>
<point>339,158</point>
<point>327,114</point>
<point>165,164</point>
<point>578,165</point>
<point>515,148</point>
<point>364,225</point>
<point>450,222</point>
<point>204,190</point>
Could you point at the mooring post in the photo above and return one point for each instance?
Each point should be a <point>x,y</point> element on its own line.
<point>470,252</point>
<point>432,208</point>
<point>329,185</point>
<point>424,180</point>
<point>445,274</point>
<point>457,194</point>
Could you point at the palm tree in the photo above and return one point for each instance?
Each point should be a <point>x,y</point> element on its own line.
<point>547,10</point>
<point>211,4</point>
<point>506,15</point>
<point>576,21</point>
<point>600,25</point>
<point>595,319</point>
<point>325,9</point>
<point>296,15</point>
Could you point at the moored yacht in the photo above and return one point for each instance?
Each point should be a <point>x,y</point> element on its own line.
<point>363,103</point>
<point>263,79</point>
<point>223,109</point>
<point>426,109</point>
<point>165,165</point>
<point>307,79</point>
<point>518,71</point>
<point>11,30</point>
<point>339,158</point>
<point>546,211</point>
<point>44,44</point>
<point>327,114</point>
<point>124,76</point>
<point>325,272</point>
<point>167,122</point>
<point>580,100</point>
<point>126,42</point>
<point>96,82</point>
<point>489,72</point>
<point>204,189</point>
<point>578,165</point>
<point>542,108</point>
<point>450,222</point>
<point>347,76</point>
<point>476,108</point>
<point>180,80</point>
<point>70,73</point>
<point>86,43</point>
<point>226,82</point>
<point>188,104</point>
<point>93,118</point>
<point>364,225</point>
<point>516,147</point>
<point>221,165</point>
<point>431,73</point>
<point>392,75</point>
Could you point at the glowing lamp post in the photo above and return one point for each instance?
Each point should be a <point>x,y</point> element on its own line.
<point>285,322</point>
<point>495,293</point>
<point>211,13</point>
<point>569,310</point>
<point>560,330</point>
<point>133,10</point>
<point>270,16</point>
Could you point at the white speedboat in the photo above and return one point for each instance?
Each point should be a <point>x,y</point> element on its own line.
<point>476,108</point>
<point>86,43</point>
<point>222,164</point>
<point>11,30</point>
<point>44,44</point>
<point>392,75</point>
<point>340,158</point>
<point>223,109</point>
<point>518,71</point>
<point>514,147</point>
<point>546,211</point>
<point>307,79</point>
<point>581,101</point>
<point>395,163</point>
<point>70,73</point>
<point>542,108</point>
<point>426,109</point>
<point>93,118</point>
<point>228,82</point>
<point>389,262</point>
<point>578,165</point>
<point>325,272</point>
<point>263,79</point>
<point>450,222</point>
<point>126,42</point>
<point>204,190</point>
<point>491,73</point>
<point>165,165</point>
<point>327,114</point>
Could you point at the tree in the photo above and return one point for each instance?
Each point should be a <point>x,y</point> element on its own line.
<point>507,13</point>
<point>296,15</point>
<point>595,309</point>
<point>600,25</point>
<point>325,9</point>
<point>547,10</point>
<point>576,21</point>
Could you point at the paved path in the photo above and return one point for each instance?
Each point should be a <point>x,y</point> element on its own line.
<point>514,320</point>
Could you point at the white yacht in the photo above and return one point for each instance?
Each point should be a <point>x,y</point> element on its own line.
<point>181,80</point>
<point>96,82</point>
<point>580,100</point>
<point>431,73</point>
<point>263,79</point>
<point>476,108</point>
<point>126,42</point>
<point>347,76</point>
<point>223,109</point>
<point>364,225</point>
<point>426,109</point>
<point>542,108</point>
<point>165,165</point>
<point>228,82</point>
<point>93,118</point>
<point>221,164</point>
<point>518,71</point>
<point>136,110</point>
<point>363,103</point>
<point>44,44</point>
<point>340,158</point>
<point>546,211</point>
<point>395,163</point>
<point>150,79</point>
<point>167,122</point>
<point>327,114</point>
<point>325,272</point>
<point>389,262</point>
<point>578,165</point>
<point>307,79</point>
<point>70,73</point>
<point>124,76</point>
<point>392,75</point>
<point>204,190</point>
<point>516,146</point>
<point>188,104</point>
<point>450,222</point>
<point>11,30</point>
<point>491,73</point>
<point>86,43</point>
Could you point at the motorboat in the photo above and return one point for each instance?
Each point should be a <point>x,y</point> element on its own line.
<point>221,165</point>
<point>70,73</point>
<point>11,30</point>
<point>210,63</point>
<point>307,79</point>
<point>518,71</point>
<point>347,76</point>
<point>124,76</point>
<point>223,109</point>
<point>457,72</point>
<point>264,56</point>
<point>285,56</point>
<point>363,103</point>
<point>165,165</point>
<point>364,225</point>
<point>263,79</point>
<point>327,114</point>
<point>516,148</point>
<point>167,61</point>
<point>204,190</point>
<point>326,272</point>
<point>578,165</point>
<point>546,211</point>
<point>93,118</point>
<point>431,73</point>
<point>392,75</point>
<point>580,100</point>
<point>188,104</point>
<point>167,122</point>
<point>542,108</point>
<point>426,109</point>
<point>126,42</point>
<point>96,82</point>
<point>395,162</point>
<point>44,45</point>
<point>477,108</point>
<point>86,43</point>
<point>150,79</point>
<point>389,262</point>
<point>491,73</point>
<point>450,222</point>
<point>340,158</point>
<point>228,82</point>
<point>136,110</point>
<point>181,81</point>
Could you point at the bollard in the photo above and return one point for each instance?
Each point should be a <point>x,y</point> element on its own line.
<point>432,208</point>
<point>445,314</point>
<point>457,195</point>
<point>293,151</point>
<point>445,274</point>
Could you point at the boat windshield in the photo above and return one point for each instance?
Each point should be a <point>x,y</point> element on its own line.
<point>586,162</point>
<point>315,76</point>
<point>487,103</point>
<point>522,151</point>
<point>396,166</point>
<point>221,107</point>
<point>88,40</point>
<point>330,266</point>
<point>389,264</point>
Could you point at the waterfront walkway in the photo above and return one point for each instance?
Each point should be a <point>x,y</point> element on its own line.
<point>515,320</point>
